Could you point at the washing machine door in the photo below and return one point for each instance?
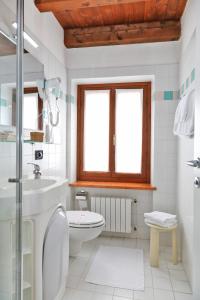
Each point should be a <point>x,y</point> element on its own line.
<point>54,251</point>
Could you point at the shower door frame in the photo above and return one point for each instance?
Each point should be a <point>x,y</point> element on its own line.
<point>19,146</point>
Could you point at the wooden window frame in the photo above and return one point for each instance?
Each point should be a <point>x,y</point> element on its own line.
<point>112,176</point>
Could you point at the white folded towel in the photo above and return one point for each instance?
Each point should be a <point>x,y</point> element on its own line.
<point>157,223</point>
<point>160,219</point>
<point>184,117</point>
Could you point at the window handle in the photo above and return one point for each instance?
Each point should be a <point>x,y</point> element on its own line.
<point>114,140</point>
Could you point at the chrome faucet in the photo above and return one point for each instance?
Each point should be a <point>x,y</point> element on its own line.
<point>36,170</point>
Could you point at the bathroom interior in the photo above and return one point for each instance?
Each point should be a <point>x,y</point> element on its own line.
<point>99,150</point>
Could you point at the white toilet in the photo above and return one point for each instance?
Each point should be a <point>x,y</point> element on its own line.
<point>83,226</point>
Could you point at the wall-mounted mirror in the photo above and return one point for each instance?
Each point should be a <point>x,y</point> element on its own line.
<point>33,71</point>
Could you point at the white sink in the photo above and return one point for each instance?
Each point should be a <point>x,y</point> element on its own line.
<point>37,184</point>
<point>39,195</point>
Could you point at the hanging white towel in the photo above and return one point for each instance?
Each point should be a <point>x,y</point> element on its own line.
<point>184,117</point>
<point>160,218</point>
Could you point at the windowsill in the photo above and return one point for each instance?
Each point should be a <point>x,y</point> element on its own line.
<point>114,185</point>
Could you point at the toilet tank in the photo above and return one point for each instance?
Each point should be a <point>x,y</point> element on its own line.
<point>55,256</point>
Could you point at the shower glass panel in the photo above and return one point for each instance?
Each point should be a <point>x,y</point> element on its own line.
<point>10,237</point>
<point>33,72</point>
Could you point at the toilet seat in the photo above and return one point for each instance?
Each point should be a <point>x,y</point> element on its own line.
<point>84,226</point>
<point>84,219</point>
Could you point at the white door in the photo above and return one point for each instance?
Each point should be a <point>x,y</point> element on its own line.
<point>197,199</point>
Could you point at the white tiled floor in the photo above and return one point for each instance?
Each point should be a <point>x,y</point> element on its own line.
<point>168,282</point>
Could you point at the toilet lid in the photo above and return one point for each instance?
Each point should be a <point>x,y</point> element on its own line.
<point>83,218</point>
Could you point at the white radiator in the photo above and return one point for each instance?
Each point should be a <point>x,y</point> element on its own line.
<point>116,211</point>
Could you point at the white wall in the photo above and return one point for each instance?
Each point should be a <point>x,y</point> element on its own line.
<point>155,62</point>
<point>123,55</point>
<point>46,31</point>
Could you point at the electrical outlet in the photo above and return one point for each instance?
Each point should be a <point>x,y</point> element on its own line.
<point>38,154</point>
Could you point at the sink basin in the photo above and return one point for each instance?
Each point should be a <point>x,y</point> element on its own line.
<point>37,184</point>
<point>39,195</point>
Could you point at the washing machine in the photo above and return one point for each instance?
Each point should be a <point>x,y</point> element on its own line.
<point>51,250</point>
<point>54,263</point>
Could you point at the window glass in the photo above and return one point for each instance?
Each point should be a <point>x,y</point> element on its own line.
<point>96,131</point>
<point>128,131</point>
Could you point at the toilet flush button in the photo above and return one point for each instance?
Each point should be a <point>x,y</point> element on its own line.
<point>197,182</point>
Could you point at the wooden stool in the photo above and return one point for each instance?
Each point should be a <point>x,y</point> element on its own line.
<point>154,243</point>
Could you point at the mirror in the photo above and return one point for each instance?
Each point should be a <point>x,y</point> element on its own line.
<point>33,107</point>
<point>33,71</point>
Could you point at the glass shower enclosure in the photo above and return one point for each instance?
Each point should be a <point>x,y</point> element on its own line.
<point>11,143</point>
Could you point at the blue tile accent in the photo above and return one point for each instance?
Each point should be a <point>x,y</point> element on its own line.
<point>45,114</point>
<point>3,102</point>
<point>168,95</point>
<point>187,82</point>
<point>182,89</point>
<point>193,75</point>
<point>70,99</point>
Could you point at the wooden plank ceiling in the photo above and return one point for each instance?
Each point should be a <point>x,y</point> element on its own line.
<point>89,23</point>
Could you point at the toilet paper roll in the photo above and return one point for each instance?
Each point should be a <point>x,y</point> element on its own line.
<point>82,204</point>
<point>81,197</point>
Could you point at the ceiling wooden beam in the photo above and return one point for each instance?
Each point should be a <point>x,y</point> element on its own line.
<point>62,5</point>
<point>123,34</point>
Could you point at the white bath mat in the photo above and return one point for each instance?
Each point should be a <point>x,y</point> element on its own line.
<point>118,267</point>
